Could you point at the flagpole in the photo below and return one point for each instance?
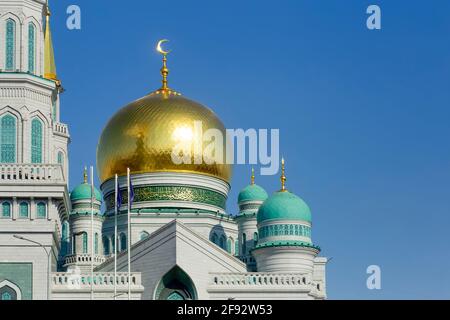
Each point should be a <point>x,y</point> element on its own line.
<point>115,238</point>
<point>129,235</point>
<point>92,232</point>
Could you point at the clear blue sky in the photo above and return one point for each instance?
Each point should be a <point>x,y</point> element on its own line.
<point>364,115</point>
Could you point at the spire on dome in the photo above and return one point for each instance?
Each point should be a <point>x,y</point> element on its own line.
<point>49,55</point>
<point>85,175</point>
<point>253,177</point>
<point>164,71</point>
<point>283,176</point>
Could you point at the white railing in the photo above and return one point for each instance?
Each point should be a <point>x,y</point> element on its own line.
<point>259,279</point>
<point>61,128</point>
<point>28,173</point>
<point>101,279</point>
<point>83,259</point>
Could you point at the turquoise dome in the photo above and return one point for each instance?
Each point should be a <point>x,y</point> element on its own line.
<point>252,192</point>
<point>83,192</point>
<point>284,206</point>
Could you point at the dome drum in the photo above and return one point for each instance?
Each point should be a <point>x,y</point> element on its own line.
<point>285,259</point>
<point>171,190</point>
<point>284,230</point>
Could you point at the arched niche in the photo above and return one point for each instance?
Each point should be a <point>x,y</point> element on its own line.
<point>176,285</point>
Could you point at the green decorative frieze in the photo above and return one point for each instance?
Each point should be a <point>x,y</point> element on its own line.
<point>284,230</point>
<point>171,193</point>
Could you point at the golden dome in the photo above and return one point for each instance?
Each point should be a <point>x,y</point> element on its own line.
<point>141,137</point>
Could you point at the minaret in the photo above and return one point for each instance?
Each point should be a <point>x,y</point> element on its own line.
<point>80,227</point>
<point>249,201</point>
<point>35,153</point>
<point>284,228</point>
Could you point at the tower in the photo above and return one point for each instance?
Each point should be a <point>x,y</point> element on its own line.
<point>34,200</point>
<point>284,228</point>
<point>249,201</point>
<point>81,233</point>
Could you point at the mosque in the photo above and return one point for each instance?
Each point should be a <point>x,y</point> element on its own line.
<point>184,244</point>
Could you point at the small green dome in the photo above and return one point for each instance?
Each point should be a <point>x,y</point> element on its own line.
<point>83,191</point>
<point>252,192</point>
<point>284,206</point>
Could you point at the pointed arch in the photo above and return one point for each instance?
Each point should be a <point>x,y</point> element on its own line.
<point>230,245</point>
<point>41,210</point>
<point>106,250</point>
<point>37,140</point>
<point>65,238</point>
<point>32,47</point>
<point>96,244</point>
<point>6,209</point>
<point>8,138</point>
<point>84,238</point>
<point>27,55</point>
<point>10,44</point>
<point>176,284</point>
<point>214,238</point>
<point>60,157</point>
<point>223,242</point>
<point>9,288</point>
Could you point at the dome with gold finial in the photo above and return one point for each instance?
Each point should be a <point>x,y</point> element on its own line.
<point>252,192</point>
<point>143,135</point>
<point>284,205</point>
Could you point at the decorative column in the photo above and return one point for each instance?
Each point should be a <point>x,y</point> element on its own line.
<point>50,209</point>
<point>15,208</point>
<point>32,209</point>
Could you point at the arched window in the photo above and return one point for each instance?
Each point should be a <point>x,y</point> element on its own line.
<point>6,210</point>
<point>41,210</point>
<point>23,210</point>
<point>61,158</point>
<point>144,235</point>
<point>113,245</point>
<point>229,245</point>
<point>106,246</point>
<point>236,248</point>
<point>31,47</point>
<point>74,247</point>
<point>255,239</point>
<point>84,239</point>
<point>96,243</point>
<point>214,238</point>
<point>244,244</point>
<point>36,141</point>
<point>8,139</point>
<point>123,242</point>
<point>65,239</point>
<point>223,242</point>
<point>10,62</point>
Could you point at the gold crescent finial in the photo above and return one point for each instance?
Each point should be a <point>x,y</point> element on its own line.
<point>160,49</point>
<point>253,177</point>
<point>164,69</point>
<point>283,176</point>
<point>164,90</point>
